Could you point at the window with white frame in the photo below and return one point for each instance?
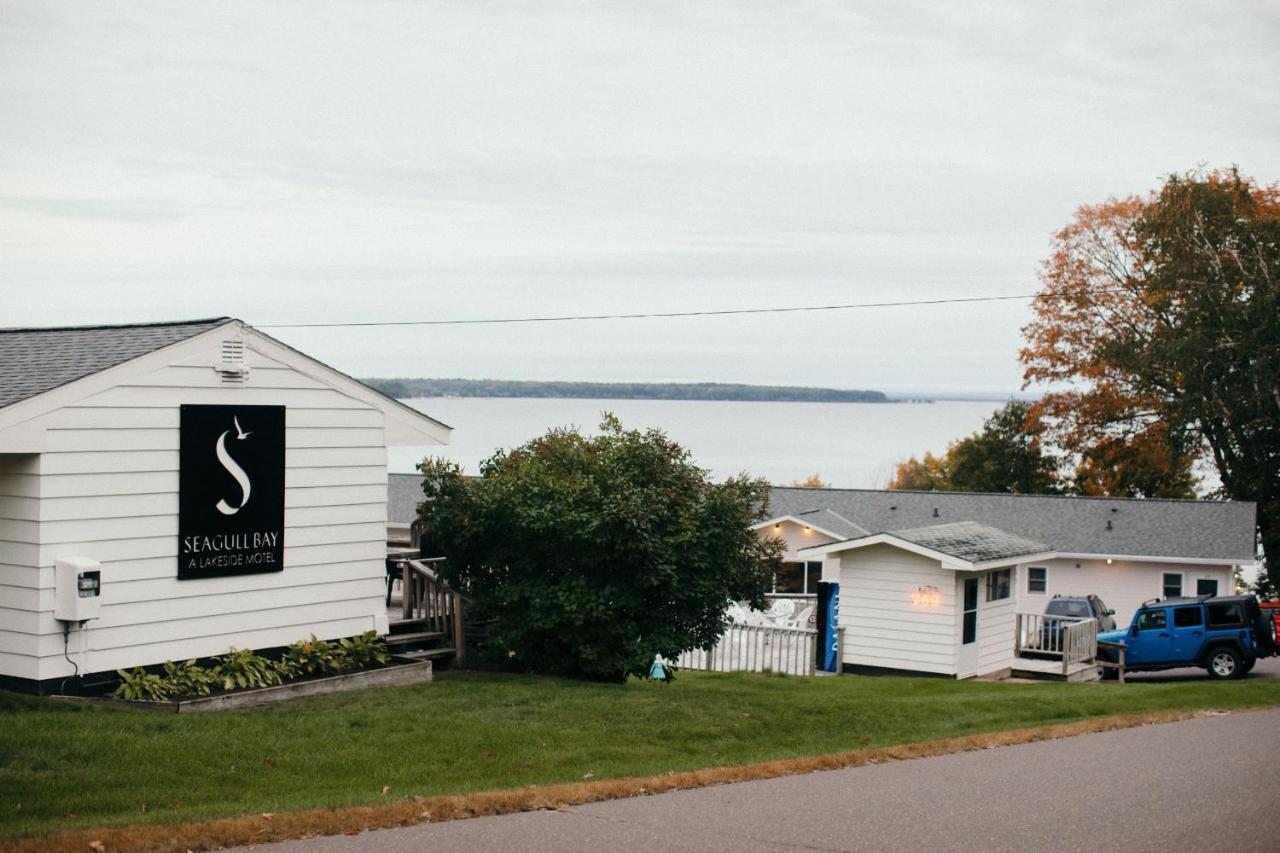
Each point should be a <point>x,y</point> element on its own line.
<point>1172,585</point>
<point>1037,580</point>
<point>798,578</point>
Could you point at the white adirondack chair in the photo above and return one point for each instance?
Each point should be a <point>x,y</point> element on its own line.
<point>779,613</point>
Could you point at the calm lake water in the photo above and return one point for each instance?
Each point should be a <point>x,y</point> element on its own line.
<point>851,445</point>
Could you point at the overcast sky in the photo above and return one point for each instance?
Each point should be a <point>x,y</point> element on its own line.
<point>309,162</point>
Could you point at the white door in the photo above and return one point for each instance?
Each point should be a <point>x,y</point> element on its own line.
<point>967,595</point>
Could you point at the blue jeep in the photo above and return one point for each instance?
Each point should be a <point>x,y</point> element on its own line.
<point>1223,634</point>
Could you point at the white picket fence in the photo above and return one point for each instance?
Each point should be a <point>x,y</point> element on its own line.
<point>757,648</point>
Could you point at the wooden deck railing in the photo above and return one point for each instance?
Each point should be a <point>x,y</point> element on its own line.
<point>757,648</point>
<point>427,598</point>
<point>1118,663</point>
<point>1072,639</point>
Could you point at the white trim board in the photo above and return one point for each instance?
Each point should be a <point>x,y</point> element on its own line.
<point>1191,561</point>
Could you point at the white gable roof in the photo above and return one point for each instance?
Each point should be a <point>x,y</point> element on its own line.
<point>61,366</point>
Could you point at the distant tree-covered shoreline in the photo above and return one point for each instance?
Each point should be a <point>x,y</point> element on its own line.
<point>406,388</point>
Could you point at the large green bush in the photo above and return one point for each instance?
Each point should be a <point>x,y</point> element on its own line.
<point>593,554</point>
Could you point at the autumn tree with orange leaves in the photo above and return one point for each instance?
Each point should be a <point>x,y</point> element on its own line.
<point>1157,334</point>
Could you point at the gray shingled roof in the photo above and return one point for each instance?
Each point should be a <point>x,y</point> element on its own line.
<point>1212,530</point>
<point>404,493</point>
<point>832,521</point>
<point>976,543</point>
<point>1209,530</point>
<point>33,361</point>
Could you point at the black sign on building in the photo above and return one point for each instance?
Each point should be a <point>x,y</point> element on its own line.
<point>230,491</point>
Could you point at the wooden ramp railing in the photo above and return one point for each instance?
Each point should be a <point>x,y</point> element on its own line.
<point>757,648</point>
<point>1073,640</point>
<point>426,598</point>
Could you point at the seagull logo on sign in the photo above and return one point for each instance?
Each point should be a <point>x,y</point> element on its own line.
<point>233,468</point>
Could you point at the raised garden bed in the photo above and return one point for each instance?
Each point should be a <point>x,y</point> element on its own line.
<point>401,671</point>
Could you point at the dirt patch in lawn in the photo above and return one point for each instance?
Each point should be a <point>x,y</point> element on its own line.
<point>263,828</point>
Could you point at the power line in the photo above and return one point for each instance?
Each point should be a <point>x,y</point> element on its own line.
<point>660,315</point>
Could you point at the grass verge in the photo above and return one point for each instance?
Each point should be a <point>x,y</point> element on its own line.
<point>479,744</point>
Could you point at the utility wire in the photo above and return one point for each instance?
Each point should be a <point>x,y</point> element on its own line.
<point>659,315</point>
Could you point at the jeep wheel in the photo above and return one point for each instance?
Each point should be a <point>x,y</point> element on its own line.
<point>1224,662</point>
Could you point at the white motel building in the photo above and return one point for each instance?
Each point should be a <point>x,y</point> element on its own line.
<point>170,490</point>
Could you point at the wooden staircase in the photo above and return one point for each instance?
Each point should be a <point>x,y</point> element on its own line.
<point>428,624</point>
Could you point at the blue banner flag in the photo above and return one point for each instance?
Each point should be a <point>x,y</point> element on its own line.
<point>828,626</point>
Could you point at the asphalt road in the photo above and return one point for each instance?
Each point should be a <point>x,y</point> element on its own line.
<point>1207,784</point>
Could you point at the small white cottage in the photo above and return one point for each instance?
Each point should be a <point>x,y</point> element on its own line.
<point>909,595</point>
<point>170,490</point>
<point>935,599</point>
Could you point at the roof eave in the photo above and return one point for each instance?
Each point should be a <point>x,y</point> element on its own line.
<point>28,408</point>
<point>949,561</point>
<point>1143,558</point>
<point>1014,560</point>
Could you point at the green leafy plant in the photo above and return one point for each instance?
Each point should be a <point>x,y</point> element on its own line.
<point>619,530</point>
<point>364,650</point>
<point>185,678</point>
<point>311,657</point>
<point>140,685</point>
<point>241,669</point>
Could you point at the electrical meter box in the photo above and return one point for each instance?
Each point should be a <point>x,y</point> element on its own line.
<point>77,587</point>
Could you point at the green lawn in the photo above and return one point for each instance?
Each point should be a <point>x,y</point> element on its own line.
<point>65,764</point>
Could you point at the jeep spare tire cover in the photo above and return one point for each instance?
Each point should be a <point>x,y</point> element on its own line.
<point>1264,621</point>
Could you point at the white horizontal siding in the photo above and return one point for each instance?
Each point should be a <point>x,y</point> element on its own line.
<point>162,503</point>
<point>19,530</point>
<point>126,396</point>
<point>882,627</point>
<point>323,547</point>
<point>915,623</point>
<point>897,661</point>
<point>996,627</point>
<point>795,537</point>
<point>116,440</point>
<point>77,530</point>
<point>1122,585</point>
<point>199,376</point>
<point>327,624</point>
<point>19,665</point>
<point>19,507</point>
<point>107,489</point>
<point>95,461</point>
<point>223,630</point>
<point>20,597</point>
<point>101,418</point>
<point>19,575</point>
<point>112,484</point>
<point>20,484</point>
<point>20,554</point>
<point>123,622</point>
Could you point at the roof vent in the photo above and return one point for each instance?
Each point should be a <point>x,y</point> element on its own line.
<point>935,512</point>
<point>1109,524</point>
<point>232,368</point>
